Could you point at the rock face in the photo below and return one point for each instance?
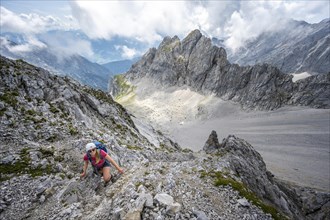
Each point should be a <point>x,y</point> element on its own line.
<point>295,48</point>
<point>247,163</point>
<point>196,63</point>
<point>47,120</point>
<point>212,144</point>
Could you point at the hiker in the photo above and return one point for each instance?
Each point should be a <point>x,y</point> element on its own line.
<point>100,162</point>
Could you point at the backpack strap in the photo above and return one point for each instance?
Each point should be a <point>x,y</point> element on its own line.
<point>89,156</point>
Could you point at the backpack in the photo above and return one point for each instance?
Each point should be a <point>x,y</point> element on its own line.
<point>99,146</point>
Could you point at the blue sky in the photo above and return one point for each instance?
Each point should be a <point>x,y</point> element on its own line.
<point>105,31</point>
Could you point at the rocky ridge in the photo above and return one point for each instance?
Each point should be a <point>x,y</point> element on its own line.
<point>294,48</point>
<point>197,63</point>
<point>46,121</point>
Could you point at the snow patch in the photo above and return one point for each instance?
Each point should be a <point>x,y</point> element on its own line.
<point>299,76</point>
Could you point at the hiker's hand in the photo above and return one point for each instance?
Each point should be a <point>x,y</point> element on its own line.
<point>120,170</point>
<point>83,174</point>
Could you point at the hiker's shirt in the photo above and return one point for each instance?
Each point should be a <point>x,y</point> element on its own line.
<point>100,163</point>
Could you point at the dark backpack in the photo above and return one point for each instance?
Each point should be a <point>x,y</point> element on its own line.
<point>99,146</point>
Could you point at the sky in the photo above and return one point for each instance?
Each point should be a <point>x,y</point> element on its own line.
<point>129,28</point>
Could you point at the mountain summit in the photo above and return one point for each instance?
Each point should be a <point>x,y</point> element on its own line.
<point>195,62</point>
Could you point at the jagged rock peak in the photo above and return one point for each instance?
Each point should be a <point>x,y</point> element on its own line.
<point>212,143</point>
<point>296,202</point>
<point>195,62</point>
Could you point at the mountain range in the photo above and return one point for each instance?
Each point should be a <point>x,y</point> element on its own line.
<point>120,66</point>
<point>195,62</point>
<point>294,48</point>
<point>300,48</point>
<point>73,65</point>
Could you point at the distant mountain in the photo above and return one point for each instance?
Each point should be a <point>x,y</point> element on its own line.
<point>195,62</point>
<point>297,47</point>
<point>74,66</point>
<point>120,66</point>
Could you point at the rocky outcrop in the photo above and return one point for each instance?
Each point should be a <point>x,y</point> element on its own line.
<point>196,63</point>
<point>212,143</point>
<point>248,165</point>
<point>313,91</point>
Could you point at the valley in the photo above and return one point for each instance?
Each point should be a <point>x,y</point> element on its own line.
<point>294,141</point>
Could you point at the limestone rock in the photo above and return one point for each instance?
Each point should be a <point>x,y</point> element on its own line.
<point>195,62</point>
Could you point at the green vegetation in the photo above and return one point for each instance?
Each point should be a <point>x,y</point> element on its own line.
<point>163,147</point>
<point>180,59</point>
<point>29,99</point>
<point>23,166</point>
<point>137,184</point>
<point>53,109</point>
<point>168,48</point>
<point>2,112</point>
<point>10,98</point>
<point>73,130</point>
<point>31,112</point>
<point>131,147</point>
<point>52,138</point>
<point>100,95</point>
<point>47,152</point>
<point>186,150</point>
<point>34,119</point>
<point>125,88</point>
<point>243,191</point>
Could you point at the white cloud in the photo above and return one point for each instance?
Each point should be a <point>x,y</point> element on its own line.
<point>67,44</point>
<point>32,23</point>
<point>150,21</point>
<point>29,25</point>
<point>31,43</point>
<point>144,21</point>
<point>255,17</point>
<point>127,53</point>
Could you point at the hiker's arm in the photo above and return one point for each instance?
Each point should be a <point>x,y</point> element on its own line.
<point>114,163</point>
<point>84,169</point>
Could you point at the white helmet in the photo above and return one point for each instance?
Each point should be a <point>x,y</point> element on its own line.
<point>90,146</point>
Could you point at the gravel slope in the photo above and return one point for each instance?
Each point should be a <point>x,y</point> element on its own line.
<point>294,141</point>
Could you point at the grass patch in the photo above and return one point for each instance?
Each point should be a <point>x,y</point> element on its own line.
<point>2,112</point>
<point>125,88</point>
<point>23,167</point>
<point>53,109</point>
<point>73,131</point>
<point>100,95</point>
<point>132,147</point>
<point>10,98</point>
<point>243,191</point>
<point>46,152</point>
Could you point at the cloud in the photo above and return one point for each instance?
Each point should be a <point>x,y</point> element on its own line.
<point>127,53</point>
<point>150,21</point>
<point>30,44</point>
<point>68,43</point>
<point>33,27</point>
<point>32,23</point>
<point>255,17</point>
<point>143,21</point>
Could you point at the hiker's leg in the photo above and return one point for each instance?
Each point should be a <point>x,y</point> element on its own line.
<point>106,174</point>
